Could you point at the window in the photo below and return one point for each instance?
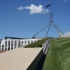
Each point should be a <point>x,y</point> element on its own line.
<point>2,47</point>
<point>18,41</point>
<point>25,42</point>
<point>21,45</point>
<point>35,40</point>
<point>5,49</point>
<point>18,45</point>
<point>28,42</point>
<point>9,43</point>
<point>15,45</point>
<point>11,48</point>
<point>5,43</point>
<point>12,45</point>
<point>12,42</point>
<point>15,41</point>
<point>8,48</point>
<point>22,42</point>
<point>0,42</point>
<point>31,41</point>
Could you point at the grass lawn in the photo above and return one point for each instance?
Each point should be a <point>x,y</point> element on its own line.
<point>58,57</point>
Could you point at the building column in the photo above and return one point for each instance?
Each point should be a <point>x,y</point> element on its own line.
<point>16,43</point>
<point>7,45</point>
<point>4,48</point>
<point>13,44</point>
<point>10,44</point>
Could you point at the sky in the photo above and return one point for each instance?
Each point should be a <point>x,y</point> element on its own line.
<point>23,18</point>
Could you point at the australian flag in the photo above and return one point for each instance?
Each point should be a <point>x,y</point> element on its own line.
<point>48,5</point>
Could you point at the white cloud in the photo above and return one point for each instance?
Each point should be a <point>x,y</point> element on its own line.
<point>65,0</point>
<point>36,9</point>
<point>45,11</point>
<point>20,8</point>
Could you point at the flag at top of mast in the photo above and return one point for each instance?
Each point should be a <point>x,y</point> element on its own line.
<point>48,5</point>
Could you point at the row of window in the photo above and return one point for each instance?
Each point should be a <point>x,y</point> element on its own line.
<point>15,45</point>
<point>22,42</point>
<point>2,48</point>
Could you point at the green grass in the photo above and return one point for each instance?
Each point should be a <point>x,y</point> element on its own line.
<point>58,57</point>
<point>36,44</point>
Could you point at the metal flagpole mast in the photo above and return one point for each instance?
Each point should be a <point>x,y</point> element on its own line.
<point>51,19</point>
<point>48,30</point>
<point>58,29</point>
<point>41,30</point>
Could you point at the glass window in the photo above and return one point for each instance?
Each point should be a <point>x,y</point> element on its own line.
<point>18,41</point>
<point>35,40</point>
<point>15,45</point>
<point>18,45</point>
<point>5,43</point>
<point>2,47</point>
<point>15,41</point>
<point>25,42</point>
<point>22,42</point>
<point>0,42</point>
<point>11,43</point>
<point>31,41</point>
<point>11,48</point>
<point>28,42</point>
<point>5,49</point>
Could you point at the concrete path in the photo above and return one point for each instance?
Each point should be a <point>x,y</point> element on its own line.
<point>18,59</point>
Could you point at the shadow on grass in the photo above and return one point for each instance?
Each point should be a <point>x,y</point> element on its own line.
<point>40,66</point>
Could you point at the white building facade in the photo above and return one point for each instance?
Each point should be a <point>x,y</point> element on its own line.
<point>65,35</point>
<point>10,44</point>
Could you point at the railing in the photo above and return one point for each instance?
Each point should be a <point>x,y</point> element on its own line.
<point>45,46</point>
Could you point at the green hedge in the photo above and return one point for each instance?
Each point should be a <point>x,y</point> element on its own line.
<point>36,44</point>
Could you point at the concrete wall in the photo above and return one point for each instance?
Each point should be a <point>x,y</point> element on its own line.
<point>36,61</point>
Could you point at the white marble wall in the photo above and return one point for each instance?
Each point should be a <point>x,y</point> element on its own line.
<point>9,44</point>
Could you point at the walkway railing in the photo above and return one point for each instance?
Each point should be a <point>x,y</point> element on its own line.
<point>45,46</point>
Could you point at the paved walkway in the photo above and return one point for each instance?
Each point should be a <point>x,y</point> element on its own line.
<point>2,51</point>
<point>18,59</point>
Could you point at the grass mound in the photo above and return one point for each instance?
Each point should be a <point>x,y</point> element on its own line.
<point>36,44</point>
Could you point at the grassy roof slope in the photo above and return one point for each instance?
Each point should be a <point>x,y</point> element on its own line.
<point>36,44</point>
<point>58,57</point>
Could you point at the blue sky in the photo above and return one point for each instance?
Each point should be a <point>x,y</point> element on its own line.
<point>23,18</point>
